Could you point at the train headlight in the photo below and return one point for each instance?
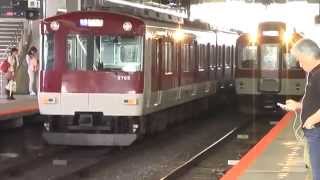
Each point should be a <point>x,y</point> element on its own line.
<point>287,37</point>
<point>253,38</point>
<point>54,25</point>
<point>178,35</point>
<point>127,26</point>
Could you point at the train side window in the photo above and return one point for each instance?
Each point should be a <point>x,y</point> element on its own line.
<point>175,52</point>
<point>167,53</point>
<point>232,55</point>
<point>220,60</point>
<point>185,58</point>
<point>201,57</point>
<point>223,55</point>
<point>48,49</point>
<point>212,57</point>
<point>228,56</point>
<point>217,56</point>
<point>192,57</point>
<point>248,57</point>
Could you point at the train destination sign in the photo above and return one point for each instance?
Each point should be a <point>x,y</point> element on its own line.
<point>91,22</point>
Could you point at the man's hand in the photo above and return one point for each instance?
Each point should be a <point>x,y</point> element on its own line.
<point>292,105</point>
<point>309,124</point>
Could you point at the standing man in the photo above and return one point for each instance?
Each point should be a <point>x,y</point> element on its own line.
<point>308,54</point>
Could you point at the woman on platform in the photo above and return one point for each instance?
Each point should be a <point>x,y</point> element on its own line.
<point>32,62</point>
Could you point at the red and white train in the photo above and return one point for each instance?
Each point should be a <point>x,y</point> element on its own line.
<point>266,73</point>
<point>107,77</point>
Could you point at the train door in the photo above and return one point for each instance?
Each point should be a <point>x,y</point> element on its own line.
<point>156,72</point>
<point>270,68</point>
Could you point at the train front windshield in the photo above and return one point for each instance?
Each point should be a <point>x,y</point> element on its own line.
<point>270,56</point>
<point>103,53</point>
<point>100,53</point>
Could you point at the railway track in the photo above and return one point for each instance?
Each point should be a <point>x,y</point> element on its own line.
<point>203,165</point>
<point>56,163</point>
<point>142,160</point>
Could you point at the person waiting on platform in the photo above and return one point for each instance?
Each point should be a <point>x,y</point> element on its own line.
<point>308,54</point>
<point>10,75</point>
<point>32,62</point>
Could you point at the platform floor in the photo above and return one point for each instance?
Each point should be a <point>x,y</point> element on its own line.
<point>21,106</point>
<point>277,156</point>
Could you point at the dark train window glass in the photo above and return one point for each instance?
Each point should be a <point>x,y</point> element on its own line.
<point>212,56</point>
<point>167,54</point>
<point>155,55</point>
<point>232,55</point>
<point>248,57</point>
<point>221,55</point>
<point>185,58</point>
<point>270,56</point>
<point>228,56</point>
<point>48,52</point>
<point>192,57</point>
<point>201,57</point>
<point>175,52</point>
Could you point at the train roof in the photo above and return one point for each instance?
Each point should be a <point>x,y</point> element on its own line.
<point>272,24</point>
<point>164,19</point>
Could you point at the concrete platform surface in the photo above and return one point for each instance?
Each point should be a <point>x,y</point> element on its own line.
<point>21,106</point>
<point>278,155</point>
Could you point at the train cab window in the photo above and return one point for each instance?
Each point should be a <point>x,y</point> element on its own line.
<point>48,48</point>
<point>77,51</point>
<point>103,53</point>
<point>248,57</point>
<point>121,53</point>
<point>185,58</point>
<point>167,55</point>
<point>270,56</point>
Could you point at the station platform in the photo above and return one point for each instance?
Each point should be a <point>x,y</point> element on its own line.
<point>278,155</point>
<point>23,105</point>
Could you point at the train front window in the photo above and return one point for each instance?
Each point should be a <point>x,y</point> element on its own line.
<point>270,56</point>
<point>123,53</point>
<point>77,52</point>
<point>104,53</point>
<point>248,57</point>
